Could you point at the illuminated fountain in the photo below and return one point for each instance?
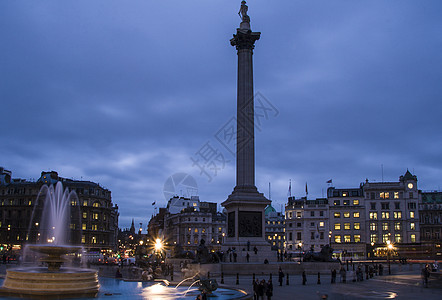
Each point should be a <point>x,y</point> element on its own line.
<point>53,280</point>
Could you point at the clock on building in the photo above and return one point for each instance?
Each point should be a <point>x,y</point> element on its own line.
<point>410,185</point>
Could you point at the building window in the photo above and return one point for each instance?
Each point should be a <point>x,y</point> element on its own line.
<point>346,202</point>
<point>373,205</point>
<point>397,226</point>
<point>298,224</point>
<point>357,238</point>
<point>83,239</point>
<point>385,226</point>
<point>85,215</point>
<point>321,224</point>
<point>346,215</point>
<point>385,215</point>
<point>373,215</point>
<point>312,224</point>
<point>299,236</point>
<point>373,226</point>
<point>196,230</point>
<point>356,215</point>
<point>384,195</point>
<point>337,214</point>
<point>412,226</point>
<point>397,238</point>
<point>347,238</point>
<point>312,235</point>
<point>83,226</point>
<point>290,236</point>
<point>385,238</point>
<point>344,194</point>
<point>337,202</point>
<point>397,215</point>
<point>373,238</point>
<point>290,215</point>
<point>321,213</point>
<point>337,226</point>
<point>94,227</point>
<point>84,202</point>
<point>397,205</point>
<point>321,235</point>
<point>413,238</point>
<point>396,195</point>
<point>385,205</point>
<point>412,205</point>
<point>298,214</point>
<point>355,202</point>
<point>410,195</point>
<point>372,196</point>
<point>96,204</point>
<point>95,216</point>
<point>337,239</point>
<point>357,226</point>
<point>411,214</point>
<point>347,226</point>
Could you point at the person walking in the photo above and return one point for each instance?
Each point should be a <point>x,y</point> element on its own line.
<point>280,276</point>
<point>247,256</point>
<point>304,278</point>
<point>269,291</point>
<point>333,276</point>
<point>255,289</point>
<point>261,288</point>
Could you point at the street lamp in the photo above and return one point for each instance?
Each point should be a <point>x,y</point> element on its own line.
<point>329,237</point>
<point>389,248</point>
<point>300,250</point>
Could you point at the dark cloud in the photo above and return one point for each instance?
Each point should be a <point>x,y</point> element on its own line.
<point>124,94</point>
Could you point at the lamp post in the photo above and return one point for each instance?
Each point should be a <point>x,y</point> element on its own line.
<point>389,247</point>
<point>300,250</point>
<point>329,237</point>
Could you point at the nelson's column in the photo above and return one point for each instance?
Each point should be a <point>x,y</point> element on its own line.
<point>245,206</point>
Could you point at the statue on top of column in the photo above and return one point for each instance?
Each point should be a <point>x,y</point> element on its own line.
<point>243,12</point>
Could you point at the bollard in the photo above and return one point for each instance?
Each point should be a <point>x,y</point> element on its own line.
<point>287,279</point>
<point>222,277</point>
<point>208,275</point>
<point>319,278</point>
<point>237,278</point>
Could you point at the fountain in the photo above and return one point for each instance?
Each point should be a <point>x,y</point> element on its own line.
<point>53,280</point>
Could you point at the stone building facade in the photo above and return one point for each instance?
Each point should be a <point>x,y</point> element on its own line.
<point>94,219</point>
<point>275,228</point>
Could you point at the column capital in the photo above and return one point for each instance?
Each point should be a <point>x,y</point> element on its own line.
<point>244,39</point>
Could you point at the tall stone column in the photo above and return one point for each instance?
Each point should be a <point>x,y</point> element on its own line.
<point>245,206</point>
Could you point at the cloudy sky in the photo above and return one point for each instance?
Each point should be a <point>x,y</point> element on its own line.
<point>127,93</point>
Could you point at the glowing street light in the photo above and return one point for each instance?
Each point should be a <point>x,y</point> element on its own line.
<point>389,248</point>
<point>158,245</point>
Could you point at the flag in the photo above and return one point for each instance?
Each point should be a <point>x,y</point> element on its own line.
<point>153,203</point>
<point>330,181</point>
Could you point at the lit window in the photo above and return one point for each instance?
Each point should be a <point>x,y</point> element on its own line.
<point>413,238</point>
<point>346,215</point>
<point>30,203</point>
<point>411,214</point>
<point>346,202</point>
<point>72,226</point>
<point>196,230</point>
<point>357,238</point>
<point>397,215</point>
<point>396,195</point>
<point>83,226</point>
<point>321,224</point>
<point>373,215</point>
<point>385,226</point>
<point>347,226</point>
<point>83,239</point>
<point>95,216</point>
<point>94,240</point>
<point>337,238</point>
<point>397,226</point>
<point>337,214</point>
<point>385,238</point>
<point>347,239</point>
<point>356,215</point>
<point>84,202</point>
<point>298,214</point>
<point>385,215</point>
<point>373,238</point>
<point>373,227</point>
<point>356,202</point>
<point>344,194</point>
<point>94,227</point>
<point>337,202</point>
<point>337,226</point>
<point>194,204</point>
<point>96,204</point>
<point>357,226</point>
<point>412,226</point>
<point>397,238</point>
<point>84,215</point>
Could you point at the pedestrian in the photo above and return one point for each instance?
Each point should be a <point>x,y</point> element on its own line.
<point>248,245</point>
<point>261,287</point>
<point>269,291</point>
<point>343,274</point>
<point>255,250</point>
<point>247,256</point>
<point>280,276</point>
<point>304,278</point>
<point>425,274</point>
<point>255,289</point>
<point>234,256</point>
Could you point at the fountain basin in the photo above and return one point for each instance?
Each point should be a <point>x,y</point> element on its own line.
<point>36,282</point>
